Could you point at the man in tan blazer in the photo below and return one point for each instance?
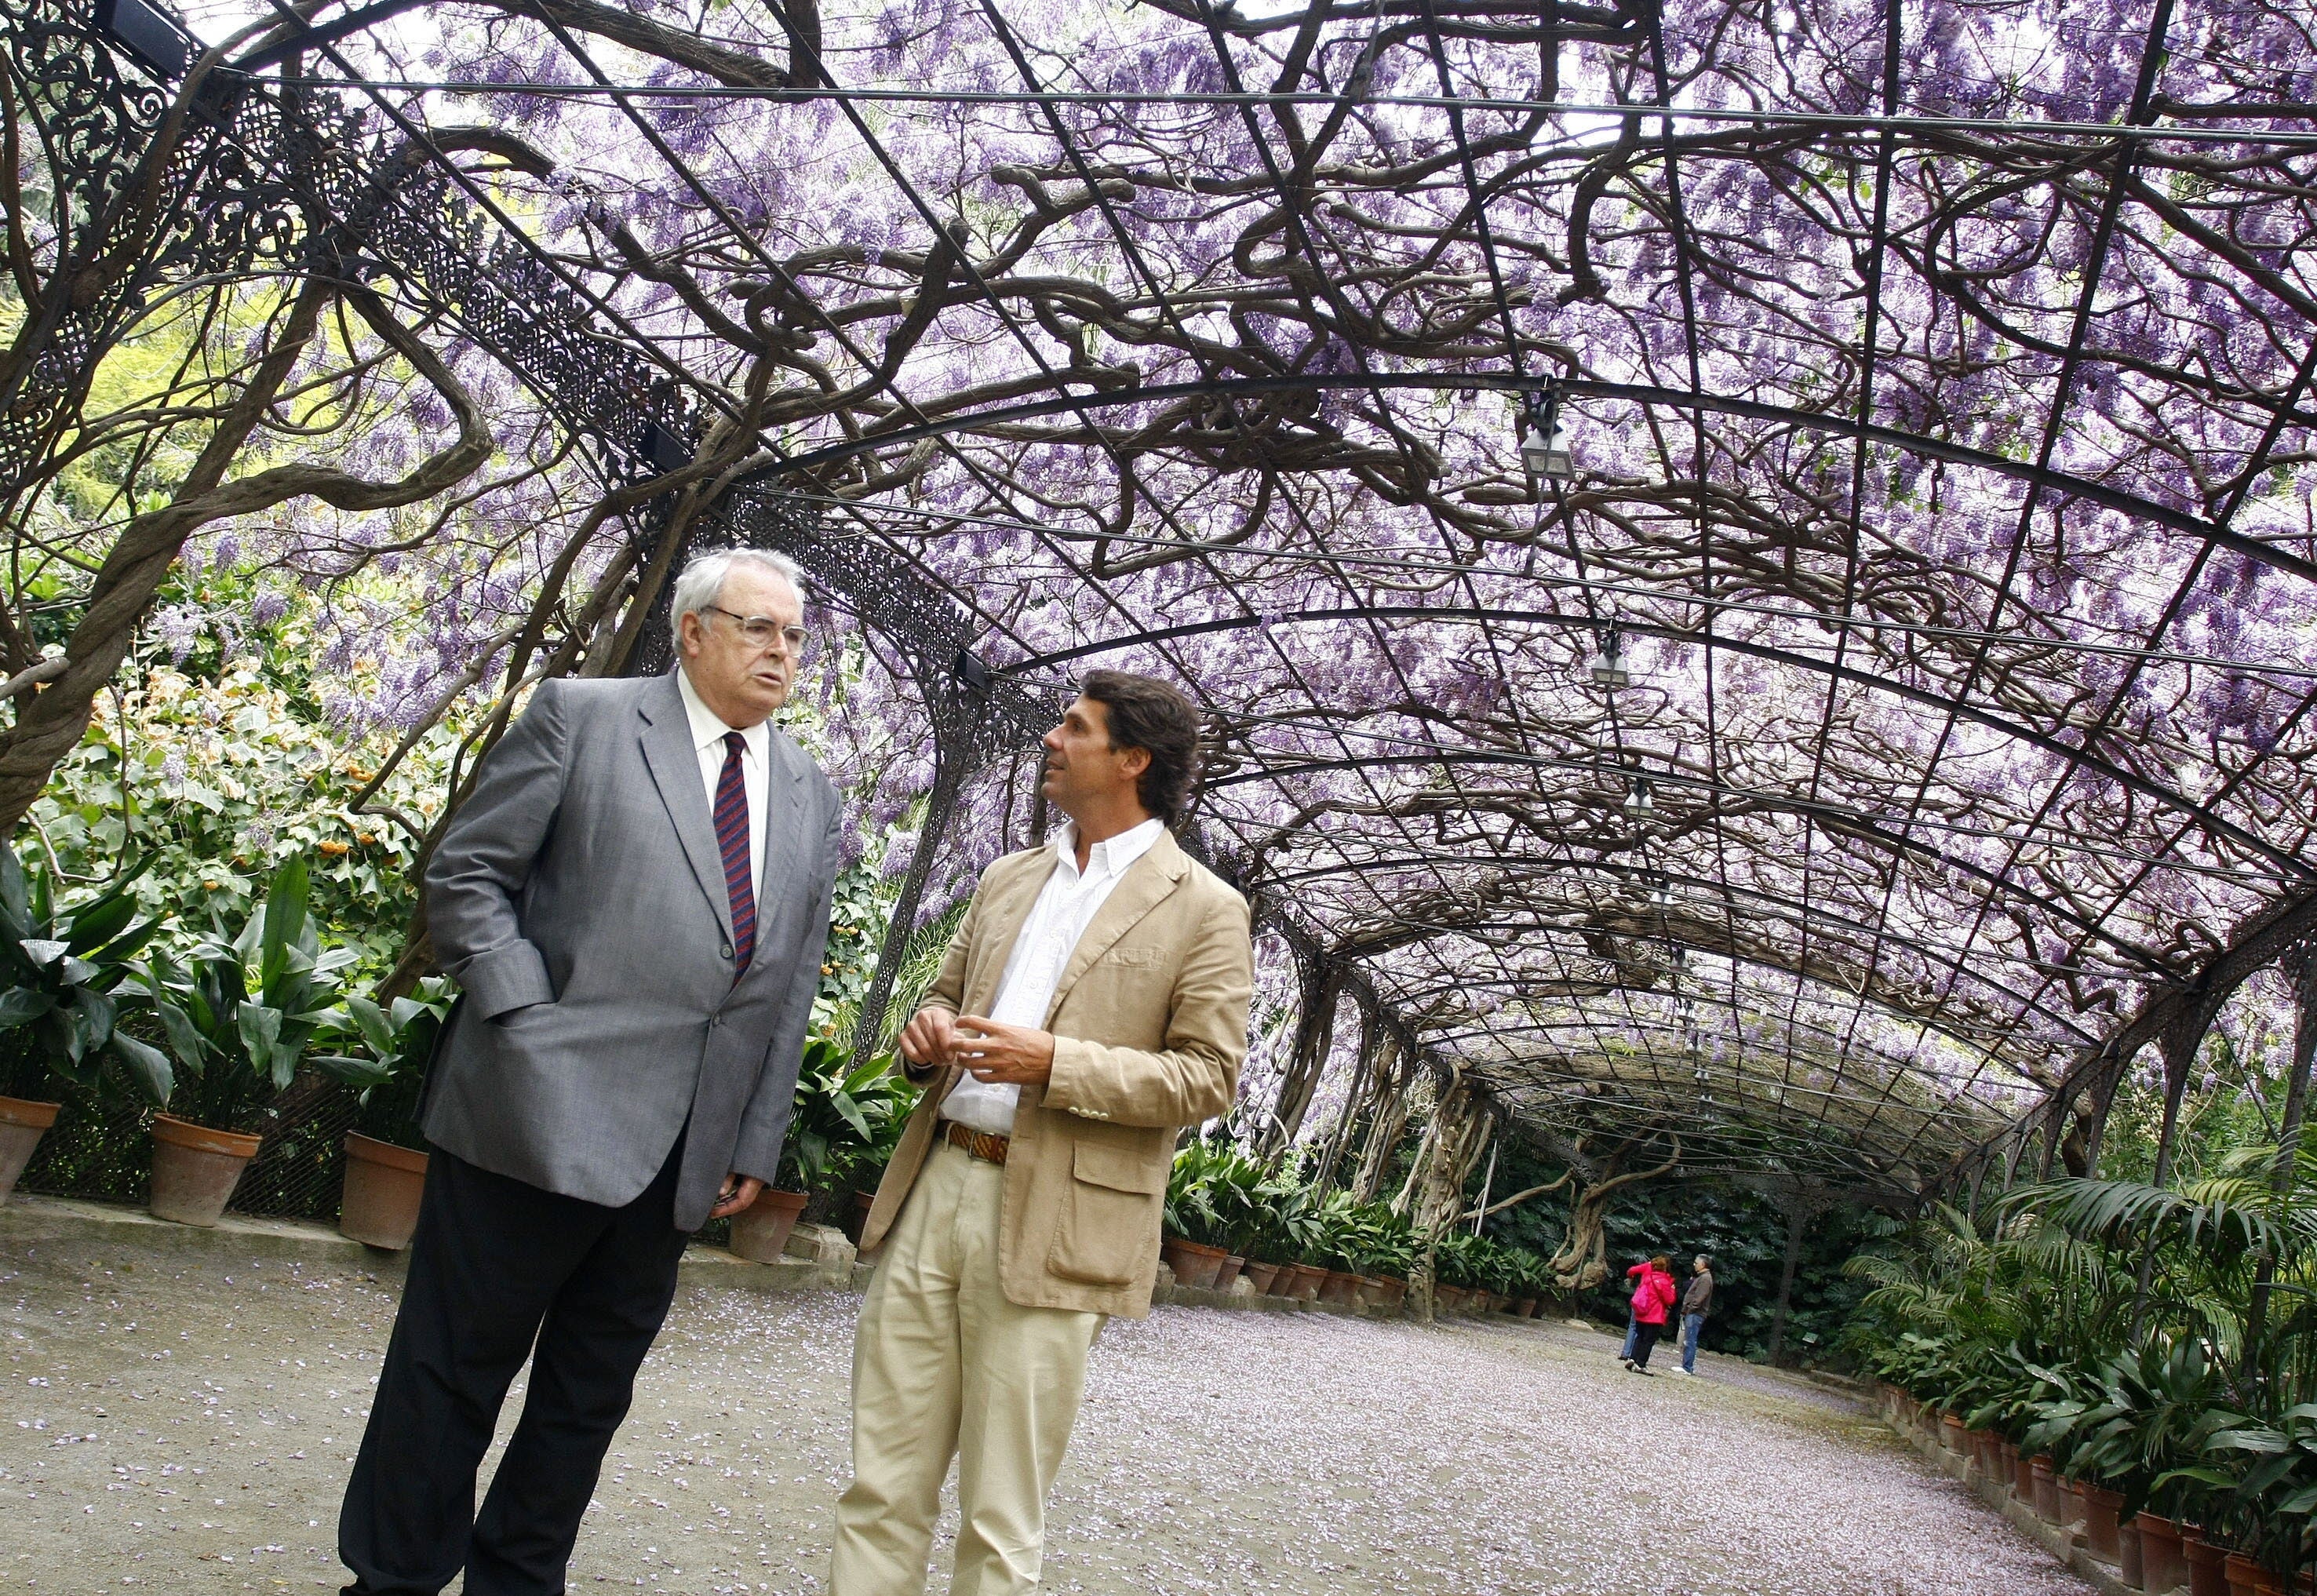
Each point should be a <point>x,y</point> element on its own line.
<point>1094,1002</point>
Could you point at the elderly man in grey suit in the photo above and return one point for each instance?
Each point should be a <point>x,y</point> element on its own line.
<point>635,901</point>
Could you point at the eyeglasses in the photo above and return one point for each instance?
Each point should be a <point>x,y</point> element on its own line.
<point>759,631</point>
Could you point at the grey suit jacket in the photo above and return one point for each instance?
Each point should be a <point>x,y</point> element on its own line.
<point>578,897</point>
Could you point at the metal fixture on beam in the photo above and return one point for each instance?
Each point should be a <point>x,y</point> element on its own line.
<point>1609,672</point>
<point>151,38</point>
<point>1542,449</point>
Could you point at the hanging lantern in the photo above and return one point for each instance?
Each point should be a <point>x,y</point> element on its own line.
<point>1543,451</point>
<point>1609,673</point>
<point>1638,801</point>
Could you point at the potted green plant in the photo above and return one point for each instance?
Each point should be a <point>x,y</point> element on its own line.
<point>843,1116</point>
<point>1345,1232</point>
<point>1387,1252</point>
<point>388,1051</point>
<point>238,1016</point>
<point>1455,1278</point>
<point>1197,1214</point>
<point>60,973</point>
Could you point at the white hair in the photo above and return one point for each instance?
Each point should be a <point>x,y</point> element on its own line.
<point>702,581</point>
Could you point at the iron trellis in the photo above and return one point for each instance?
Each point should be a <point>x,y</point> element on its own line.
<point>1946,906</point>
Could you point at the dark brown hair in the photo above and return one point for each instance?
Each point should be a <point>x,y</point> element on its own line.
<point>1663,1261</point>
<point>1145,713</point>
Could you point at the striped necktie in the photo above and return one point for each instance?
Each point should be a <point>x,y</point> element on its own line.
<point>732,839</point>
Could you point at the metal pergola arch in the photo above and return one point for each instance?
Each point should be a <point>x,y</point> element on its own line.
<point>1999,857</point>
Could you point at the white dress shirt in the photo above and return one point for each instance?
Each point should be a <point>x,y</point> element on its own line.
<point>1066,906</point>
<point>707,729</point>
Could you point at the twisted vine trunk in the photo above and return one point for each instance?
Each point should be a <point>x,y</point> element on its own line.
<point>1315,1036</point>
<point>1460,1131</point>
<point>1582,1262</point>
<point>1386,1126</point>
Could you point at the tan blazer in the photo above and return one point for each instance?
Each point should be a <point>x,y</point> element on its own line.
<point>1149,1024</point>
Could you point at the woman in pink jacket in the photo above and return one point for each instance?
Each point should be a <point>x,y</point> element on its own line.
<point>1654,1294</point>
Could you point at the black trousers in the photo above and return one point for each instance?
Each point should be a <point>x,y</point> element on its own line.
<point>1645,1337</point>
<point>495,1265</point>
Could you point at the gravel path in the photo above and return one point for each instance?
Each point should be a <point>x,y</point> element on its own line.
<point>179,1424</point>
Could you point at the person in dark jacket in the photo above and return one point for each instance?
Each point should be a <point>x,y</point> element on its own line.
<point>1696,1303</point>
<point>1654,1294</point>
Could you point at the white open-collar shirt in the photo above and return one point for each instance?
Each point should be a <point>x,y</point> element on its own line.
<point>707,729</point>
<point>1066,906</point>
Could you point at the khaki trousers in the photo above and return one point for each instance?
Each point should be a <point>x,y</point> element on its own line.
<point>943,1365</point>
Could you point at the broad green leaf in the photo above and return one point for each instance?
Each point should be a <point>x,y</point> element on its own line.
<point>360,1073</point>
<point>23,1004</point>
<point>285,915</point>
<point>146,1065</point>
<point>844,1105</point>
<point>259,1028</point>
<point>185,1039</point>
<point>41,950</point>
<point>97,1014</point>
<point>372,1021</point>
<point>14,902</point>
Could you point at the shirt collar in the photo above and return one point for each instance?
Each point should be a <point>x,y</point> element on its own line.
<point>1112,855</point>
<point>708,726</point>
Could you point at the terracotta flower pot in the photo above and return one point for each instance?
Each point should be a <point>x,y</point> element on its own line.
<point>1447,1299</point>
<point>195,1169</point>
<point>1985,1452</point>
<point>856,1216</point>
<point>2248,1578</point>
<point>2162,1565</point>
<point>1525,1307</point>
<point>2208,1573</point>
<point>22,1124</point>
<point>2007,1463</point>
<point>2023,1478</point>
<point>1195,1263</point>
<point>2127,1553</point>
<point>1954,1437</point>
<point>760,1231</point>
<point>1339,1288</point>
<point>1265,1275</point>
<point>2047,1491</point>
<point>2072,1506</point>
<point>1381,1293</point>
<point>1228,1272</point>
<point>2103,1531</point>
<point>1302,1282</point>
<point>378,1203</point>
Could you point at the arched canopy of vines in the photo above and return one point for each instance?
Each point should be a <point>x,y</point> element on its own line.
<point>1891,709</point>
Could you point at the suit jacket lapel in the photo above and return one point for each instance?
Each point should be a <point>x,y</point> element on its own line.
<point>1141,890</point>
<point>675,767</point>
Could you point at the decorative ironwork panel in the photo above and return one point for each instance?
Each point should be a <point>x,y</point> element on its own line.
<point>221,201</point>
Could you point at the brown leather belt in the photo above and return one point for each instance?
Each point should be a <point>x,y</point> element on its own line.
<point>981,1144</point>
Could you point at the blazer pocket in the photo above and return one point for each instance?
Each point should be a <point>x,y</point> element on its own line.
<point>525,1016</point>
<point>1110,1217</point>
